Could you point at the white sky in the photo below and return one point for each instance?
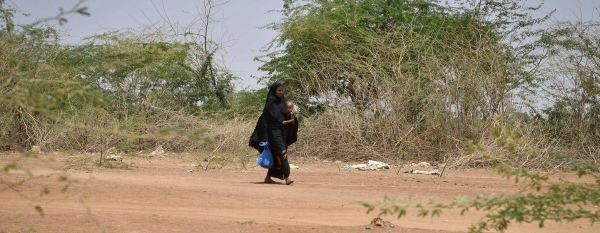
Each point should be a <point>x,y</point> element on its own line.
<point>242,19</point>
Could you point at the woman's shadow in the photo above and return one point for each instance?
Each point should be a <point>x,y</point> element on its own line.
<point>262,182</point>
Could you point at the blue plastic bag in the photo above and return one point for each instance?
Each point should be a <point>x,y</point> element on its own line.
<point>266,157</point>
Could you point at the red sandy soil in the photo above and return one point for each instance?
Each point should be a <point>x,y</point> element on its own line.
<point>162,195</point>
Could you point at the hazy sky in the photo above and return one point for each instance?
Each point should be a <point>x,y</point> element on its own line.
<point>242,21</point>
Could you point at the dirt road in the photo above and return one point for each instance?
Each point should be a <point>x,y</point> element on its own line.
<point>161,195</point>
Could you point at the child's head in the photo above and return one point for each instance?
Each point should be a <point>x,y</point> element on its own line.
<point>290,106</point>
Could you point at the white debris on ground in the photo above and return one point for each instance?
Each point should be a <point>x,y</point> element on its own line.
<point>424,168</point>
<point>113,158</point>
<point>434,172</point>
<point>292,166</point>
<point>36,149</point>
<point>413,168</point>
<point>112,155</point>
<point>111,151</point>
<point>158,152</point>
<point>371,165</point>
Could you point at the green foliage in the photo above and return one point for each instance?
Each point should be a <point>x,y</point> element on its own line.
<point>420,72</point>
<point>112,89</point>
<point>246,104</point>
<point>132,73</point>
<point>250,222</point>
<point>216,84</point>
<point>32,87</point>
<point>365,49</point>
<point>389,206</point>
<point>572,82</point>
<point>7,11</point>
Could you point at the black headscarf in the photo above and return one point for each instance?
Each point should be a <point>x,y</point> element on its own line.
<point>273,114</point>
<point>274,106</point>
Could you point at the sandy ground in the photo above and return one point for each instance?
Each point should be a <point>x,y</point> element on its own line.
<point>162,195</point>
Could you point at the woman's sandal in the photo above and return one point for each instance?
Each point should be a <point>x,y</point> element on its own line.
<point>269,181</point>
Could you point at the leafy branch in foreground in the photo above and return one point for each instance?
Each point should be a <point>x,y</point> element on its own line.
<point>538,201</point>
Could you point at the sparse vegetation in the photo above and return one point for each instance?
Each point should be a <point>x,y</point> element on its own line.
<point>540,200</point>
<point>391,80</point>
<point>250,222</point>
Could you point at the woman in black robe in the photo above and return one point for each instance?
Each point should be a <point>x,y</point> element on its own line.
<point>272,127</point>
